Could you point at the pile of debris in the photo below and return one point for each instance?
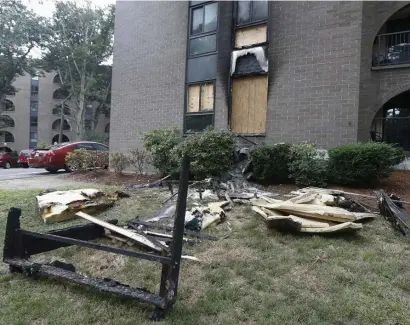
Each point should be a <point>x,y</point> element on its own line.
<point>311,212</point>
<point>58,206</point>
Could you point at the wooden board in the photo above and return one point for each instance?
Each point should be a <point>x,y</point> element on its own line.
<point>126,233</point>
<point>343,227</point>
<point>312,211</point>
<point>207,97</point>
<point>193,98</point>
<point>249,104</point>
<point>250,35</point>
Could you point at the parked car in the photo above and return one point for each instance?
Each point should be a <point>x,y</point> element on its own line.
<point>23,157</point>
<point>53,157</point>
<point>8,159</point>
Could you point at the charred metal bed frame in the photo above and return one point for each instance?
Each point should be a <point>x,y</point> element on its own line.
<point>20,244</point>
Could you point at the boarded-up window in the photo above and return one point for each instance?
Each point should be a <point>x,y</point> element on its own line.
<point>249,104</point>
<point>200,107</point>
<point>250,36</point>
<point>200,97</point>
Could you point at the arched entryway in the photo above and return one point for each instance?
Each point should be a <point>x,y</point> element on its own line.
<point>392,122</point>
<point>55,138</point>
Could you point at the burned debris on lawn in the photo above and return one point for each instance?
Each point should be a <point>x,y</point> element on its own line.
<point>55,206</point>
<point>394,212</point>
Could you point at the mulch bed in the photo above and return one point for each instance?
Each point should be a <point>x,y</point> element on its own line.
<point>105,177</point>
<point>398,183</point>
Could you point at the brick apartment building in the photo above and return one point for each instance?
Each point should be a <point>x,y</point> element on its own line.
<point>326,72</point>
<point>33,114</point>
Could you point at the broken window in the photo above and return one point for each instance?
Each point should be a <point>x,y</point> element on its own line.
<point>204,23</point>
<point>251,11</point>
<point>200,107</point>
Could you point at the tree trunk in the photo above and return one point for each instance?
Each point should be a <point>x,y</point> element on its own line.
<point>80,114</point>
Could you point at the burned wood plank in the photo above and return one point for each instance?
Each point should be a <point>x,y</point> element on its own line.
<point>136,237</point>
<point>398,217</point>
<point>100,284</point>
<point>135,224</point>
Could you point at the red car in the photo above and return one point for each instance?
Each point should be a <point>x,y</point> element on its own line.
<point>53,158</point>
<point>23,157</point>
<point>8,159</point>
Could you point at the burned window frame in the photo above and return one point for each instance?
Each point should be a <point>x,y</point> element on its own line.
<point>186,113</point>
<point>192,36</point>
<point>251,21</point>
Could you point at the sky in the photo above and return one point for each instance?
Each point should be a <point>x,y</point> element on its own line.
<point>45,7</point>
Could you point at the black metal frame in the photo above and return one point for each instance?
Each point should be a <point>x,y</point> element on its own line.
<point>20,244</point>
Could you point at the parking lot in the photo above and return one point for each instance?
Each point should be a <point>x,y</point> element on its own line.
<point>13,173</point>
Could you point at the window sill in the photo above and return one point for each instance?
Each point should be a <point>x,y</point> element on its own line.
<point>392,66</point>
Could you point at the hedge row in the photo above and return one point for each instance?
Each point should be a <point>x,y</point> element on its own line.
<point>357,164</point>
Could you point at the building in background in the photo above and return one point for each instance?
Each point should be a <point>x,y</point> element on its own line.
<point>327,72</point>
<point>33,114</point>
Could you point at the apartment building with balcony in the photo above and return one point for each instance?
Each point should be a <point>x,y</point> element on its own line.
<point>32,115</point>
<point>327,72</point>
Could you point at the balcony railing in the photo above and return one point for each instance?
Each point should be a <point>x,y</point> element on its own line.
<point>391,49</point>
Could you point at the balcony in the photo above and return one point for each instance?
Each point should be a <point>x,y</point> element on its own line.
<point>391,50</point>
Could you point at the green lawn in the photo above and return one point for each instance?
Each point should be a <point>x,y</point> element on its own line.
<point>254,276</point>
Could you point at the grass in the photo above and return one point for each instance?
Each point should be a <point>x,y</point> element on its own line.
<point>254,276</point>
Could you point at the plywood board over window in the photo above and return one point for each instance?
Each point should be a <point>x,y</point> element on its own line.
<point>250,35</point>
<point>193,98</point>
<point>207,97</point>
<point>249,104</point>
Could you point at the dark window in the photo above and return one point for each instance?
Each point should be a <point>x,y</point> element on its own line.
<point>6,122</point>
<point>198,123</point>
<point>56,125</point>
<point>9,106</point>
<point>204,23</point>
<point>34,107</point>
<point>33,121</point>
<point>57,110</point>
<point>60,94</point>
<point>202,45</point>
<point>87,125</point>
<point>200,106</point>
<point>204,19</point>
<point>8,137</point>
<point>56,79</point>
<point>33,136</point>
<point>251,11</point>
<point>100,147</point>
<point>34,90</point>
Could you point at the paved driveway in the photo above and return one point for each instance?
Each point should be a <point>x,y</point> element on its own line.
<point>23,178</point>
<point>13,173</point>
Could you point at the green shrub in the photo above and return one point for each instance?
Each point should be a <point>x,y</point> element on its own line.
<point>270,163</point>
<point>210,152</point>
<point>362,163</point>
<point>398,155</point>
<point>119,162</point>
<point>138,159</point>
<point>160,144</point>
<point>307,166</point>
<point>82,159</point>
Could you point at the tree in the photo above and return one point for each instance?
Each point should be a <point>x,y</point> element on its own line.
<point>21,32</point>
<point>82,41</point>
